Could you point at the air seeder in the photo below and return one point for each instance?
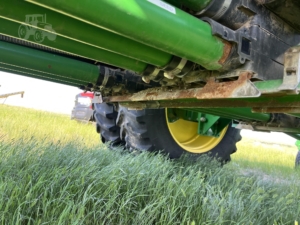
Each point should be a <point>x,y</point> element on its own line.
<point>181,76</point>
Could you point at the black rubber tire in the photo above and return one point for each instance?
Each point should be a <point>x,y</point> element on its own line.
<point>148,130</point>
<point>297,161</point>
<point>105,116</point>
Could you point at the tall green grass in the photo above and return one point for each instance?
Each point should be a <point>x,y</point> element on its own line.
<point>43,126</point>
<point>71,178</point>
<point>267,161</point>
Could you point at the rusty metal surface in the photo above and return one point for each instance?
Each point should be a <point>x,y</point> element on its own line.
<point>241,88</point>
<point>267,102</point>
<point>232,89</point>
<point>215,95</point>
<point>291,77</point>
<point>226,52</point>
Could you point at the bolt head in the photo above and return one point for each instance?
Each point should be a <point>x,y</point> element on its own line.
<point>202,119</point>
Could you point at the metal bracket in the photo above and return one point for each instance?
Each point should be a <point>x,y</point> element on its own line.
<point>205,123</point>
<point>210,125</point>
<point>291,76</point>
<point>240,37</point>
<point>242,88</point>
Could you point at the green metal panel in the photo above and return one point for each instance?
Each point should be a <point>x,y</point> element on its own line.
<point>154,23</point>
<point>243,113</point>
<point>49,64</point>
<point>192,114</point>
<point>298,144</point>
<point>206,122</point>
<point>78,30</point>
<point>10,28</point>
<point>208,125</point>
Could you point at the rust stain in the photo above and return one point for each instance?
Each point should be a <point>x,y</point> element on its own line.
<point>151,94</point>
<point>226,52</point>
<point>214,103</point>
<point>212,90</point>
<point>222,90</point>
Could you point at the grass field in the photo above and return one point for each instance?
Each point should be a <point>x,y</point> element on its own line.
<point>56,171</point>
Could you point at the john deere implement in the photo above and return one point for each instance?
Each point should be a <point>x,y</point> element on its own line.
<point>174,75</point>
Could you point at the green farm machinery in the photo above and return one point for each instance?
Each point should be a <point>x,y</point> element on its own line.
<point>181,76</point>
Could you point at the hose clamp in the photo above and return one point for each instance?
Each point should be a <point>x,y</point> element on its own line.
<point>106,76</point>
<point>148,76</point>
<point>213,7</point>
<point>222,10</point>
<point>171,74</point>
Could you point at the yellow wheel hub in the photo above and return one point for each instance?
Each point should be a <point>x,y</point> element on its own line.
<point>185,133</point>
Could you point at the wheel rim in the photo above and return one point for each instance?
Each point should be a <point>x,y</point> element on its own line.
<point>185,134</point>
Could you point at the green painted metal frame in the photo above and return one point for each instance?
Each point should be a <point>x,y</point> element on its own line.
<point>267,101</point>
<point>82,32</point>
<point>208,125</point>
<point>298,144</point>
<point>10,28</point>
<point>160,26</point>
<point>46,65</point>
<point>37,75</point>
